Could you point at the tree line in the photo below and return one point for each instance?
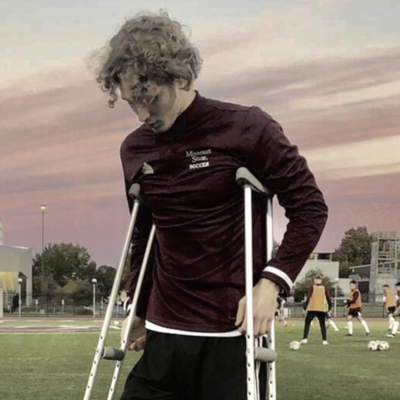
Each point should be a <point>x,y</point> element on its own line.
<point>68,272</point>
<point>68,268</point>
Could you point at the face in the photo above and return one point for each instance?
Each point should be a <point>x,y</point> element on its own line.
<point>158,106</point>
<point>352,286</point>
<point>317,281</point>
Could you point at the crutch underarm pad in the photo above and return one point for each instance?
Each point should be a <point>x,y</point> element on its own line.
<point>109,353</point>
<point>134,191</point>
<point>244,176</point>
<point>265,355</point>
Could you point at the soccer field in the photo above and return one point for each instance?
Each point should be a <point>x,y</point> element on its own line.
<point>50,364</point>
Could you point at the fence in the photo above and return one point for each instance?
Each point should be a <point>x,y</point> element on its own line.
<point>369,310</point>
<point>65,307</point>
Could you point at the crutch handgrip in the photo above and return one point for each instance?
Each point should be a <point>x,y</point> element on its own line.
<point>265,355</point>
<point>245,177</point>
<point>110,353</point>
<point>134,191</point>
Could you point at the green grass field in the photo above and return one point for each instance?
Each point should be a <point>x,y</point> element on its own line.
<point>55,365</point>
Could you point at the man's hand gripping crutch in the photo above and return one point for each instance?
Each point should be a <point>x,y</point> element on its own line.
<point>260,300</point>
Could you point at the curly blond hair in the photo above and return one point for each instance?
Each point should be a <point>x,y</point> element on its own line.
<point>151,46</point>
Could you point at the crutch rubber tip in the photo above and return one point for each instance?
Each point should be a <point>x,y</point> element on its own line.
<point>109,353</point>
<point>265,355</point>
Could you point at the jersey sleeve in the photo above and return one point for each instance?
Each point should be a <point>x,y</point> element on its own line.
<point>279,166</point>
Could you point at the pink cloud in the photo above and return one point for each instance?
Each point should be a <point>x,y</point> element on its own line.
<point>60,143</point>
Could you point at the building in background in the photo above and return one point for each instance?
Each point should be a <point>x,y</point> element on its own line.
<point>384,268</point>
<point>322,261</point>
<point>15,262</point>
<point>329,268</point>
<point>385,259</point>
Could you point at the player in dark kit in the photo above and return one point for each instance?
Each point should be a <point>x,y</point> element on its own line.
<point>190,319</point>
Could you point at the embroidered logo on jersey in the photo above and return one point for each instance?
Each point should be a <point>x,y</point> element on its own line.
<point>147,169</point>
<point>199,158</point>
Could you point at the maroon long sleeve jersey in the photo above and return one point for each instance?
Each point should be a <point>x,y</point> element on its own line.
<point>195,276</point>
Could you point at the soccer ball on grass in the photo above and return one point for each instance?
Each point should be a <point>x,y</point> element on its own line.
<point>372,345</point>
<point>294,345</point>
<point>378,345</point>
<point>382,345</point>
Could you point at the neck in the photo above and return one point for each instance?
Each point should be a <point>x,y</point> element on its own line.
<point>187,98</point>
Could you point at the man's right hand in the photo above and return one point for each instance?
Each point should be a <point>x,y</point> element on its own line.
<point>137,337</point>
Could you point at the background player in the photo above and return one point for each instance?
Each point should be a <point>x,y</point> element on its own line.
<point>279,314</point>
<point>314,306</point>
<point>396,314</point>
<point>390,304</point>
<point>328,318</point>
<point>354,304</point>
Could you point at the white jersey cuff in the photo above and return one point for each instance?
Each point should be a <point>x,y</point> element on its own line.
<point>281,274</point>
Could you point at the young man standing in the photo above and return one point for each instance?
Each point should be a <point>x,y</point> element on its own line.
<point>354,304</point>
<point>314,307</point>
<point>191,318</point>
<point>396,313</point>
<point>389,299</point>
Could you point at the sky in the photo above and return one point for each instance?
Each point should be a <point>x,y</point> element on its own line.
<point>327,70</point>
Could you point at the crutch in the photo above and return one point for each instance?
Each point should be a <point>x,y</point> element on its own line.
<point>255,352</point>
<point>118,354</point>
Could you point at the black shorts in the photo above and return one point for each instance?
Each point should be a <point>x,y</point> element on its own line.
<point>390,310</point>
<point>179,367</point>
<point>355,312</point>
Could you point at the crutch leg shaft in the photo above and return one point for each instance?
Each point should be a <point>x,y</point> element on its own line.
<point>132,314</point>
<point>254,352</point>
<point>102,351</point>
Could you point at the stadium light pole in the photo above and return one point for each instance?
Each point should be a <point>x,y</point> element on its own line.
<point>336,285</point>
<point>19,296</point>
<point>43,208</point>
<point>94,282</point>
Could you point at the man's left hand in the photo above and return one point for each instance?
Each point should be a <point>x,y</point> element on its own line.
<point>264,307</point>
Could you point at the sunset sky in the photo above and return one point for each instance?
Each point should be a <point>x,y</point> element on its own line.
<point>327,70</point>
